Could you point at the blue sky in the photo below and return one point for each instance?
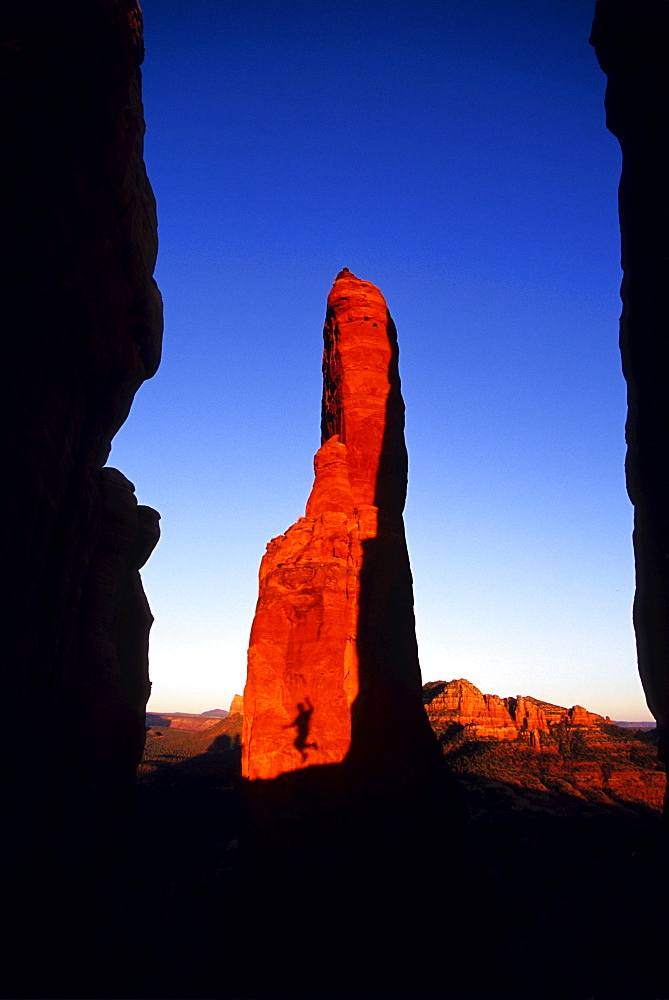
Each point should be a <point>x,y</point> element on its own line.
<point>455,154</point>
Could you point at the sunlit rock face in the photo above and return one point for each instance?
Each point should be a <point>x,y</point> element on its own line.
<point>479,716</point>
<point>630,40</point>
<point>237,705</point>
<point>483,716</point>
<point>534,744</point>
<point>487,716</point>
<point>304,656</point>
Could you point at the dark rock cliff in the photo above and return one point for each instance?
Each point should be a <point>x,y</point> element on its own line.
<point>630,40</point>
<point>83,324</point>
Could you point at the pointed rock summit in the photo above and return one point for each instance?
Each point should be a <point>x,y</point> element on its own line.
<point>334,626</point>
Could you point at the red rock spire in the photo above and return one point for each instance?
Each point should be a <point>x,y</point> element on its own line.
<point>304,654</point>
<point>362,404</point>
<point>345,803</point>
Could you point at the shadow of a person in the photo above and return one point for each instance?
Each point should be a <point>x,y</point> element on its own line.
<point>302,724</point>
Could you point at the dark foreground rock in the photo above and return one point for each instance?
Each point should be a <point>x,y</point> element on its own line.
<point>630,40</point>
<point>570,881</point>
<point>82,322</point>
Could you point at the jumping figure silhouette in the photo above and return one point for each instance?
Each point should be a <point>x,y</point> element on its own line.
<point>301,723</point>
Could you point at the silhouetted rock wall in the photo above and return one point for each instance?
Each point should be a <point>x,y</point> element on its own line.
<point>630,40</point>
<point>83,325</point>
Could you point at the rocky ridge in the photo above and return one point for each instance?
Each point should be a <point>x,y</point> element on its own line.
<point>532,744</point>
<point>191,721</point>
<point>487,716</point>
<point>176,720</point>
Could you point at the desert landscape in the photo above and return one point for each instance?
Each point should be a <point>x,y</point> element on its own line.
<point>342,830</point>
<point>570,837</point>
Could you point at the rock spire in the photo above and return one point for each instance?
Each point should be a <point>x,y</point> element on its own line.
<point>311,666</point>
<point>345,781</point>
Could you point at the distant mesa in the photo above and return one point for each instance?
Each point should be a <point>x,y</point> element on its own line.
<point>191,722</point>
<point>181,720</point>
<point>487,716</point>
<point>535,745</point>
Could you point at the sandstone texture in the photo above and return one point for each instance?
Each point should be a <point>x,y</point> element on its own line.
<point>336,588</point>
<point>83,325</point>
<point>237,705</point>
<point>481,715</point>
<point>487,716</point>
<point>630,40</point>
<point>532,744</point>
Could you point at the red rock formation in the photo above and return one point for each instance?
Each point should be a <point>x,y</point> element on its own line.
<point>304,653</point>
<point>237,705</point>
<point>83,323</point>
<point>577,752</point>
<point>303,675</point>
<point>482,716</point>
<point>630,40</point>
<point>486,716</point>
<point>527,715</point>
<point>345,781</point>
<point>579,716</point>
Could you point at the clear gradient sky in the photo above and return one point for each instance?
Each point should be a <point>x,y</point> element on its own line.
<point>454,153</point>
